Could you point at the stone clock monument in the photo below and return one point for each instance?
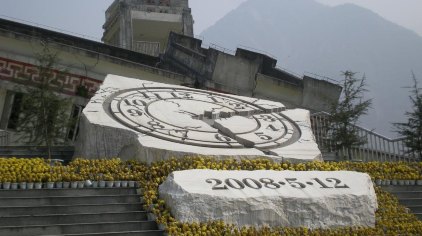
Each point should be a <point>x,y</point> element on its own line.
<point>150,121</point>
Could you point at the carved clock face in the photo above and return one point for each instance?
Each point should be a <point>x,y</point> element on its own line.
<point>203,118</point>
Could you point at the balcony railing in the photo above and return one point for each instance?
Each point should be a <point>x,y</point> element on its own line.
<point>375,148</point>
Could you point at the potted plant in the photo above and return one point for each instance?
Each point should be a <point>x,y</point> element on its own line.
<point>386,182</point>
<point>38,182</point>
<point>118,181</point>
<point>6,182</point>
<point>413,178</point>
<point>66,180</point>
<point>22,182</point>
<point>109,180</point>
<point>81,182</point>
<point>74,181</point>
<point>407,178</point>
<point>30,183</point>
<point>50,181</point>
<point>419,180</point>
<point>59,181</point>
<point>124,178</point>
<point>401,180</point>
<point>94,182</point>
<point>14,184</point>
<point>101,181</point>
<point>131,182</point>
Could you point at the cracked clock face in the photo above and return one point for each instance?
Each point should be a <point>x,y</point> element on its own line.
<point>205,119</point>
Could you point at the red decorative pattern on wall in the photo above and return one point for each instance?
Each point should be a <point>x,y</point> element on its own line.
<point>27,74</point>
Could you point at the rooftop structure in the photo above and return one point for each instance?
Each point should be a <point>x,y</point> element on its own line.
<point>144,25</point>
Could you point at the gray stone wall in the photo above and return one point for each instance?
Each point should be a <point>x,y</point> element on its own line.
<point>247,73</point>
<point>235,74</point>
<point>268,87</point>
<point>319,94</point>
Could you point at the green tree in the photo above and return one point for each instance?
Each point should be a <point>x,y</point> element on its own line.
<point>44,115</point>
<point>346,112</point>
<point>411,130</point>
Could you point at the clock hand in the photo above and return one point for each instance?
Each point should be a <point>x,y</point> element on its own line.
<point>244,142</point>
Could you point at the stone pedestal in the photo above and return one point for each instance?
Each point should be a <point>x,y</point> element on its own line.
<point>311,199</point>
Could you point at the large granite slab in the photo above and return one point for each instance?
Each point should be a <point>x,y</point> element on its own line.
<point>311,199</point>
<point>148,121</point>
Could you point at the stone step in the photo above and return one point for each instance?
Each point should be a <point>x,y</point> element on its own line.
<point>408,194</point>
<point>397,188</point>
<point>67,200</point>
<point>87,211</point>
<point>126,233</point>
<point>67,192</point>
<point>68,209</point>
<point>61,229</point>
<point>415,208</point>
<point>73,219</point>
<point>411,201</point>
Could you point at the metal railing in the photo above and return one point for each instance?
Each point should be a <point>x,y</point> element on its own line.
<point>321,77</point>
<point>375,148</point>
<point>257,50</point>
<point>222,49</point>
<point>292,73</point>
<point>4,138</point>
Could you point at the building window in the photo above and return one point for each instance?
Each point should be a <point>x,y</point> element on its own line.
<point>15,111</point>
<point>74,116</point>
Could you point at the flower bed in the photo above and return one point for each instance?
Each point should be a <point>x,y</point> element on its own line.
<point>37,173</point>
<point>392,218</point>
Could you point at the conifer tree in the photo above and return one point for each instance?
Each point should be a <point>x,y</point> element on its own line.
<point>346,112</point>
<point>411,130</point>
<point>44,113</point>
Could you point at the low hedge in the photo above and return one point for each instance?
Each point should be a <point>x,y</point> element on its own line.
<point>40,170</point>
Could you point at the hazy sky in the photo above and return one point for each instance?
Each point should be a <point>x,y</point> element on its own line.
<point>86,17</point>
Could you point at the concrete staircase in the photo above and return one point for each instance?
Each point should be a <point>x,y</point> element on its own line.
<point>409,196</point>
<point>76,212</point>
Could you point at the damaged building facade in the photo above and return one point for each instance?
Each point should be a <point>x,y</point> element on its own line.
<point>149,40</point>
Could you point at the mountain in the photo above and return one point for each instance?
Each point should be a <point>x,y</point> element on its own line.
<point>307,36</point>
